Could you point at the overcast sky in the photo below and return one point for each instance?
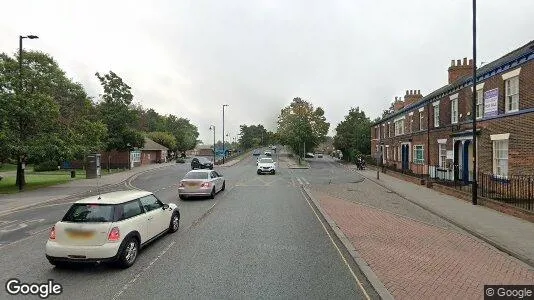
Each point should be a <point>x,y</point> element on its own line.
<point>189,57</point>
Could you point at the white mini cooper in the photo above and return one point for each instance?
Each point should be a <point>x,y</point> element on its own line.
<point>112,227</point>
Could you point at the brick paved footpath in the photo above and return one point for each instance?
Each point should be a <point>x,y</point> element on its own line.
<point>418,260</point>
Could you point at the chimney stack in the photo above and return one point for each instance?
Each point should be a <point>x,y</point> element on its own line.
<point>411,97</point>
<point>398,104</point>
<point>460,69</point>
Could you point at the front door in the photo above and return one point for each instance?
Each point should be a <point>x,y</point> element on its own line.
<point>157,220</point>
<point>405,157</point>
<point>465,162</point>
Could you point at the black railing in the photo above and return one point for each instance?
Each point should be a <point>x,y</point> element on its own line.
<point>516,190</point>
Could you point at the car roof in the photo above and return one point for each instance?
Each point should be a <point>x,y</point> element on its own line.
<point>200,171</point>
<point>115,197</point>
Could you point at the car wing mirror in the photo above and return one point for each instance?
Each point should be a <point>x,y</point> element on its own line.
<point>165,206</point>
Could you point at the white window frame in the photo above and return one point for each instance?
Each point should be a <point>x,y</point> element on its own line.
<point>500,146</point>
<point>417,148</point>
<point>399,126</point>
<point>442,153</point>
<point>435,105</point>
<point>480,103</point>
<point>454,111</point>
<point>511,99</point>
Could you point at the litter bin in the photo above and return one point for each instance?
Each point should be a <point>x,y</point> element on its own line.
<point>72,173</point>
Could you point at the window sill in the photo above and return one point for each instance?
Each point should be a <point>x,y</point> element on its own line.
<point>511,111</point>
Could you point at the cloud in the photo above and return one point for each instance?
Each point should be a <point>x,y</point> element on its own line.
<point>188,58</point>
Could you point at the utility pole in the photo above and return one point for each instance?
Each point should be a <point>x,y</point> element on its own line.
<point>22,156</point>
<point>224,146</point>
<point>212,127</point>
<point>474,105</point>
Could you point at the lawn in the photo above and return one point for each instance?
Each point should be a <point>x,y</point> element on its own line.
<point>7,167</point>
<point>35,180</point>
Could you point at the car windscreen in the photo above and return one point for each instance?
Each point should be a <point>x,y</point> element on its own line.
<point>88,213</point>
<point>196,175</point>
<point>266,161</point>
<point>203,160</point>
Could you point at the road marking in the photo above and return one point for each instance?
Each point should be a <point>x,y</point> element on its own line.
<point>18,226</point>
<point>298,179</point>
<point>306,181</point>
<point>337,248</point>
<point>133,280</point>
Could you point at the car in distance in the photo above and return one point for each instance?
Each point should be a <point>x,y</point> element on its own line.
<point>110,228</point>
<point>256,153</point>
<point>266,165</point>
<point>319,155</point>
<point>201,183</point>
<point>201,163</point>
<point>268,154</point>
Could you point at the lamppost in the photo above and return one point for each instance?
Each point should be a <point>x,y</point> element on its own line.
<point>129,155</point>
<point>474,105</point>
<point>212,127</point>
<point>224,151</point>
<point>21,162</point>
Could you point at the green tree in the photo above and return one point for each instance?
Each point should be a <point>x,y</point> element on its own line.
<point>253,136</point>
<point>301,126</point>
<point>118,113</point>
<point>186,134</point>
<point>163,138</point>
<point>47,116</point>
<point>353,134</point>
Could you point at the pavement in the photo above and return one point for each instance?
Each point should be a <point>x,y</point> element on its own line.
<point>21,200</point>
<point>414,252</point>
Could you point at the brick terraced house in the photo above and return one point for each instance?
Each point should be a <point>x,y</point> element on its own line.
<point>431,136</point>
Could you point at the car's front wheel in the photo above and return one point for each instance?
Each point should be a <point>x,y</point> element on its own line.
<point>128,253</point>
<point>175,223</point>
<point>259,172</point>
<point>224,186</point>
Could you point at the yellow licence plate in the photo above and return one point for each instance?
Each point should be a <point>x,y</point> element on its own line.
<point>80,234</point>
<point>192,184</point>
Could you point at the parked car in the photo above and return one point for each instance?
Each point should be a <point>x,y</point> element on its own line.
<point>201,163</point>
<point>111,228</point>
<point>319,155</point>
<point>256,153</point>
<point>201,183</point>
<point>309,155</point>
<point>266,165</point>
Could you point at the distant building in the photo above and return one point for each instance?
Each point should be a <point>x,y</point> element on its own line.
<point>432,134</point>
<point>152,152</point>
<point>201,150</point>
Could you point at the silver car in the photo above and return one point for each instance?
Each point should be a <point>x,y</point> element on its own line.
<point>201,183</point>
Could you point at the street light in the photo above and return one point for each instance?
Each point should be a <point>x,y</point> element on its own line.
<point>212,127</point>
<point>20,166</point>
<point>224,152</point>
<point>474,105</point>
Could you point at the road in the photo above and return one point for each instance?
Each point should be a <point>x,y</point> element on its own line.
<point>259,238</point>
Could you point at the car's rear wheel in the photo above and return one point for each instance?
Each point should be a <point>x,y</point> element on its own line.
<point>175,223</point>
<point>182,197</point>
<point>212,194</point>
<point>128,253</point>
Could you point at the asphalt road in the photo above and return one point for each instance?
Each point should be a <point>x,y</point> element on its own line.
<point>260,238</point>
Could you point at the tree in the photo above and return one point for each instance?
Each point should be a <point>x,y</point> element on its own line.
<point>301,126</point>
<point>253,136</point>
<point>163,138</point>
<point>47,116</point>
<point>353,135</point>
<point>186,134</point>
<point>118,113</point>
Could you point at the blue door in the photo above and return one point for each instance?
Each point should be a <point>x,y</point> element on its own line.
<point>405,157</point>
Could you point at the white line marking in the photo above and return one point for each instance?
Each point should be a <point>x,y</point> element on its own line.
<point>134,279</point>
<point>28,237</point>
<point>337,248</point>
<point>306,181</point>
<point>300,182</point>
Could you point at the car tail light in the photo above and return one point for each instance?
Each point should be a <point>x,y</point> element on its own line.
<point>205,185</point>
<point>114,234</point>
<point>52,235</point>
